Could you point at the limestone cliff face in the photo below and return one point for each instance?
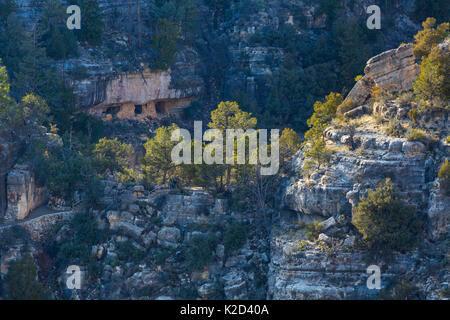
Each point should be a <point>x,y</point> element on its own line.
<point>22,193</point>
<point>393,70</point>
<point>332,267</point>
<point>142,95</point>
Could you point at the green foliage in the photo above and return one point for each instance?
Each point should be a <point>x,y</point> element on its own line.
<point>228,115</point>
<point>324,112</point>
<point>200,251</point>
<point>386,223</point>
<point>345,106</point>
<point>5,99</point>
<point>444,176</point>
<point>429,37</point>
<point>289,145</point>
<point>317,154</point>
<point>161,255</point>
<point>77,244</point>
<point>164,44</point>
<point>13,235</point>
<point>394,128</point>
<point>436,8</point>
<point>60,42</point>
<point>302,245</point>
<point>313,230</point>
<point>22,282</point>
<point>292,91</point>
<point>126,251</point>
<point>358,77</point>
<point>314,146</point>
<point>64,169</point>
<point>403,290</point>
<point>158,161</point>
<point>419,135</point>
<point>406,98</point>
<point>183,13</point>
<point>432,86</point>
<point>92,23</point>
<point>111,155</point>
<point>354,50</point>
<point>235,237</point>
<point>30,71</point>
<point>26,117</point>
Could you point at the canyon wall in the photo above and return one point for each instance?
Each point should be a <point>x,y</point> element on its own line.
<point>137,96</point>
<point>8,155</point>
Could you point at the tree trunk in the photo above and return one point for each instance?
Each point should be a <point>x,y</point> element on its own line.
<point>164,177</point>
<point>130,21</point>
<point>139,23</point>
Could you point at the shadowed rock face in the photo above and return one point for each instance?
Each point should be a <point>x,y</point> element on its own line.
<point>7,158</point>
<point>394,70</point>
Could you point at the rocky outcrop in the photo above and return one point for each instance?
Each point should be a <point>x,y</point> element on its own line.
<point>333,269</point>
<point>329,265</point>
<point>438,211</point>
<point>39,227</point>
<point>326,192</point>
<point>23,194</point>
<point>394,70</point>
<point>137,96</point>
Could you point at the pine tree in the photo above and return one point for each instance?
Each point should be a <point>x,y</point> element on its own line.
<point>21,280</point>
<point>158,161</point>
<point>60,42</point>
<point>429,37</point>
<point>92,22</point>
<point>386,223</point>
<point>433,84</point>
<point>164,44</point>
<point>112,155</point>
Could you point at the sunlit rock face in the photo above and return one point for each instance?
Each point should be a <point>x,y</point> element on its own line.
<point>394,70</point>
<point>141,95</point>
<point>23,194</point>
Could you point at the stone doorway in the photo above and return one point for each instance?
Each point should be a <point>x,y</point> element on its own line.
<point>160,107</point>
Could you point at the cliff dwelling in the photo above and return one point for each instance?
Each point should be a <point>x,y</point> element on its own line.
<point>143,96</point>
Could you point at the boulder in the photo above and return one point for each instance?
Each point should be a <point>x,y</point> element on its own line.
<point>395,146</point>
<point>413,147</point>
<point>327,224</point>
<point>235,286</point>
<point>129,229</point>
<point>358,111</point>
<point>169,237</point>
<point>207,291</point>
<point>323,237</point>
<point>350,241</point>
<point>149,239</point>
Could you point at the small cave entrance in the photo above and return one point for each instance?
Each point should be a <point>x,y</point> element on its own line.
<point>137,109</point>
<point>113,110</point>
<point>160,107</point>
